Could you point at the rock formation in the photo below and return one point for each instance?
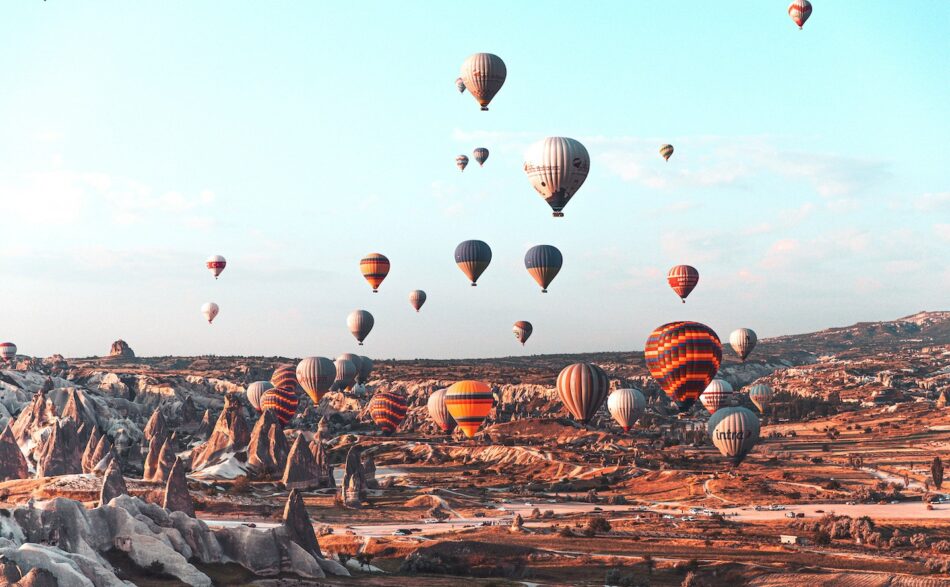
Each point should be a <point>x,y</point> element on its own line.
<point>102,455</point>
<point>369,472</point>
<point>353,489</point>
<point>113,484</point>
<point>323,430</point>
<point>324,468</point>
<point>187,413</point>
<point>151,458</point>
<point>60,454</point>
<point>160,459</point>
<point>156,427</point>
<point>268,448</point>
<point>517,524</point>
<point>121,350</point>
<point>12,463</point>
<point>39,414</point>
<point>301,470</point>
<point>204,428</point>
<point>297,522</point>
<point>230,435</point>
<point>177,497</point>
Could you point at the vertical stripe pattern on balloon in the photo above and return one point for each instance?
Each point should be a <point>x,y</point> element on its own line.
<point>483,75</point>
<point>439,412</point>
<point>583,389</point>
<point>543,263</point>
<point>473,257</point>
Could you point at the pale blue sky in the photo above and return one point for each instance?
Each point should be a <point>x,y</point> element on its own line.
<point>809,183</point>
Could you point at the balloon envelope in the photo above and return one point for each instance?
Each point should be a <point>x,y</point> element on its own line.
<point>375,268</point>
<point>7,350</point>
<point>583,388</point>
<point>761,394</point>
<point>388,410</point>
<point>483,75</point>
<point>255,391</point>
<point>625,406</point>
<point>718,394</point>
<point>473,257</point>
<point>460,85</point>
<point>439,412</point>
<point>282,399</point>
<point>316,375</point>
<point>216,264</point>
<point>522,330</point>
<point>210,311</point>
<point>481,155</point>
<point>736,432</point>
<point>469,402</point>
<point>543,263</point>
<point>557,167</point>
<point>799,11</point>
<point>346,373</point>
<point>366,368</point>
<point>417,297</point>
<point>743,341</point>
<point>666,151</point>
<point>683,357</point>
<point>360,323</point>
<point>683,278</point>
<point>461,162</point>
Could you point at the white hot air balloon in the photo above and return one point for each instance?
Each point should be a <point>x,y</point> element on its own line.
<point>210,310</point>
<point>743,341</point>
<point>718,395</point>
<point>216,265</point>
<point>557,168</point>
<point>360,322</point>
<point>255,391</point>
<point>483,74</point>
<point>625,406</point>
<point>417,297</point>
<point>736,432</point>
<point>438,412</point>
<point>761,394</point>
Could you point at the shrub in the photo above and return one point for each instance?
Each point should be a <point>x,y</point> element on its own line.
<point>597,525</point>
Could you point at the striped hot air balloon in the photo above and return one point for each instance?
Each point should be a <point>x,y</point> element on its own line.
<point>522,330</point>
<point>543,263</point>
<point>460,85</point>
<point>388,410</point>
<point>761,394</point>
<point>583,389</point>
<point>316,375</point>
<point>683,278</point>
<point>743,341</point>
<point>461,162</point>
<point>736,432</point>
<point>366,368</point>
<point>481,155</point>
<point>346,373</point>
<point>375,268</point>
<point>216,265</point>
<point>666,151</point>
<point>356,360</point>
<point>718,394</point>
<point>360,323</point>
<point>7,351</point>
<point>282,399</point>
<point>210,311</point>
<point>469,402</point>
<point>473,258</point>
<point>417,297</point>
<point>799,11</point>
<point>483,75</point>
<point>625,406</point>
<point>255,391</point>
<point>439,412</point>
<point>557,168</point>
<point>683,357</point>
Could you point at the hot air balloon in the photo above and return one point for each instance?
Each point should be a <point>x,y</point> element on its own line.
<point>718,395</point>
<point>417,297</point>
<point>683,278</point>
<point>439,412</point>
<point>473,258</point>
<point>543,263</point>
<point>481,155</point>
<point>522,330</point>
<point>346,373</point>
<point>360,322</point>
<point>282,399</point>
<point>355,359</point>
<point>8,351</point>
<point>388,409</point>
<point>469,402</point>
<point>743,341</point>
<point>735,433</point>
<point>683,357</point>
<point>666,151</point>
<point>461,162</point>
<point>557,168</point>
<point>255,391</point>
<point>799,11</point>
<point>210,310</point>
<point>375,268</point>
<point>583,388</point>
<point>316,375</point>
<point>761,394</point>
<point>483,75</point>
<point>460,85</point>
<point>366,368</point>
<point>625,406</point>
<point>216,264</point>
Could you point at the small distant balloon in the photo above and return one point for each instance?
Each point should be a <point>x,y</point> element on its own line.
<point>799,11</point>
<point>210,310</point>
<point>255,391</point>
<point>583,389</point>
<point>346,373</point>
<point>735,433</point>
<point>557,167</point>
<point>666,151</point>
<point>315,375</point>
<point>461,162</point>
<point>216,265</point>
<point>417,297</point>
<point>375,268</point>
<point>481,155</point>
<point>761,394</point>
<point>439,412</point>
<point>473,257</point>
<point>366,369</point>
<point>360,322</point>
<point>543,263</point>
<point>625,406</point>
<point>743,341</point>
<point>522,330</point>
<point>483,74</point>
<point>683,278</point>
<point>8,351</point>
<point>460,85</point>
<point>469,402</point>
<point>718,394</point>
<point>388,410</point>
